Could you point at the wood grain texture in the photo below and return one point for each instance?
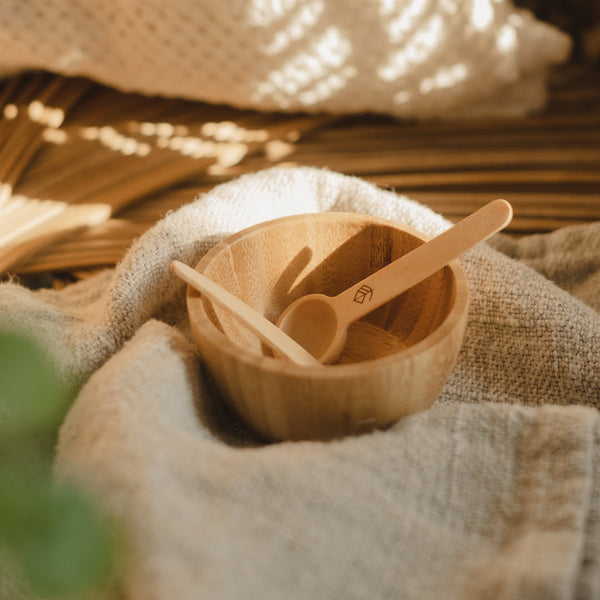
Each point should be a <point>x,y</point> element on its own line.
<point>74,142</point>
<point>396,359</point>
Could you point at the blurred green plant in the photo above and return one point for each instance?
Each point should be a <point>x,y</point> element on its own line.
<point>59,543</point>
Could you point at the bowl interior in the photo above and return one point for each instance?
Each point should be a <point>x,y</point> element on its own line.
<point>271,265</point>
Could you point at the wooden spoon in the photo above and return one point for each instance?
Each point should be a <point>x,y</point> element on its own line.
<point>319,323</point>
<point>268,332</point>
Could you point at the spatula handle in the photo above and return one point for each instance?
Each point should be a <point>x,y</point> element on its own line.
<point>418,264</point>
<point>268,332</point>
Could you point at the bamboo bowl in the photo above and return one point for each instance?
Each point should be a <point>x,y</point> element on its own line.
<point>396,359</point>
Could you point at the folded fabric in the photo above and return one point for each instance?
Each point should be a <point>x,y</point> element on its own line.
<point>493,492</point>
<point>408,58</point>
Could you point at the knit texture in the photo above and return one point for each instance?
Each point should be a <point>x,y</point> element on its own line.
<point>493,492</point>
<point>409,58</point>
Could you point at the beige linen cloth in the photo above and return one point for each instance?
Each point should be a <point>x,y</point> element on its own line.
<point>492,493</point>
<point>410,58</point>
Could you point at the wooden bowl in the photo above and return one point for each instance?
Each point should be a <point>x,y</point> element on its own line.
<point>396,359</point>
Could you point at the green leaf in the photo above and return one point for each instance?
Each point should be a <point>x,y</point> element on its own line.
<point>23,486</point>
<point>71,550</point>
<point>32,398</point>
<point>62,545</point>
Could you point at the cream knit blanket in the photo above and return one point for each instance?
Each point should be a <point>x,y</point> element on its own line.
<point>492,493</point>
<point>410,58</point>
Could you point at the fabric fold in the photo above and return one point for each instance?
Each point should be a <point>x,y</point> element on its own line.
<point>410,59</point>
<point>460,501</point>
<point>493,492</point>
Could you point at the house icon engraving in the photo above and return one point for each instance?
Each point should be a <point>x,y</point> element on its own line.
<point>363,294</point>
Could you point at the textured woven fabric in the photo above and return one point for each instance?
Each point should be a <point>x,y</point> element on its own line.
<point>492,493</point>
<point>411,58</point>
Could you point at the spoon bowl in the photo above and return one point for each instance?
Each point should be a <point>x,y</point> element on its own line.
<point>313,322</point>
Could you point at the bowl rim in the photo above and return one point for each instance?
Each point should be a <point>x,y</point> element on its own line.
<point>272,364</point>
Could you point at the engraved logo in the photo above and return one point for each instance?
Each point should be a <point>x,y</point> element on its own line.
<point>363,294</point>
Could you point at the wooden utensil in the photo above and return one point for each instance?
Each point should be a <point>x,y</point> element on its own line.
<point>396,360</point>
<point>268,332</point>
<point>319,323</point>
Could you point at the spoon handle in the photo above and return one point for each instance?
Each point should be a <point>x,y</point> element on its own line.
<point>268,332</point>
<point>418,264</point>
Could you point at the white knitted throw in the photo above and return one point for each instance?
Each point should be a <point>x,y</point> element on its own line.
<point>492,493</point>
<point>409,58</point>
